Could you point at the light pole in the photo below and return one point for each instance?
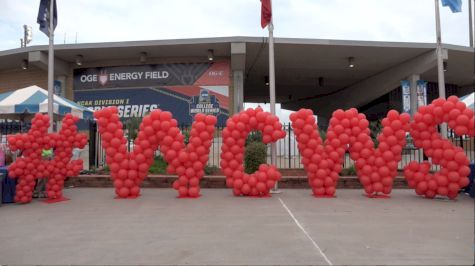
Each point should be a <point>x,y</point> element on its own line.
<point>440,63</point>
<point>470,22</point>
<point>51,65</point>
<point>27,35</point>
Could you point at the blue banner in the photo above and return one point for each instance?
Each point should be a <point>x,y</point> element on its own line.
<point>44,16</point>
<point>421,89</point>
<point>454,5</point>
<point>205,103</point>
<point>58,88</point>
<point>406,96</point>
<point>184,89</point>
<point>137,102</point>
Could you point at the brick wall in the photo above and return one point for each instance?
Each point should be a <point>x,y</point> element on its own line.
<point>18,78</point>
<point>166,181</point>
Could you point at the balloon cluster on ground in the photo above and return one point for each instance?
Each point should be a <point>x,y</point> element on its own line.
<point>189,163</point>
<point>158,130</point>
<point>32,166</point>
<point>323,160</point>
<point>234,136</point>
<point>376,168</point>
<point>453,161</point>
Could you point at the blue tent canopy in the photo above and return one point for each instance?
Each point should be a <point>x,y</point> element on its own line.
<point>33,99</point>
<point>469,100</point>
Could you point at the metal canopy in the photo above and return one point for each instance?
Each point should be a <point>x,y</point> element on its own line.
<point>299,62</point>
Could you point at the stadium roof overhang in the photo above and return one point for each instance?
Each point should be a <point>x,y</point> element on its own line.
<point>379,66</point>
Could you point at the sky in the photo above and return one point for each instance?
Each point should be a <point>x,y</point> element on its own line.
<point>85,21</point>
<point>126,20</point>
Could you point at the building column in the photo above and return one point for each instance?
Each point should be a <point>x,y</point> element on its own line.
<point>238,66</point>
<point>238,86</point>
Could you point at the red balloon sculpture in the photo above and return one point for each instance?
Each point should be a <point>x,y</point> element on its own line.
<point>30,165</point>
<point>453,161</point>
<point>234,136</point>
<point>158,129</point>
<point>376,168</point>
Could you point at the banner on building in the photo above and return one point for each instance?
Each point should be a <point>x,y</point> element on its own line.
<point>183,89</point>
<point>406,96</point>
<point>58,88</point>
<point>421,89</point>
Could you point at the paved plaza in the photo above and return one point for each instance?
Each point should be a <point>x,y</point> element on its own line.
<point>291,228</point>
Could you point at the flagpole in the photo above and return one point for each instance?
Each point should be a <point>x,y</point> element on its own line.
<point>470,22</point>
<point>440,63</point>
<point>51,65</point>
<point>273,150</point>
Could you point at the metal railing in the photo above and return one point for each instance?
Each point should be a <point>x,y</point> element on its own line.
<point>13,127</point>
<point>288,155</point>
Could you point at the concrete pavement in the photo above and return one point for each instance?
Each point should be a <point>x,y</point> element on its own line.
<point>291,228</point>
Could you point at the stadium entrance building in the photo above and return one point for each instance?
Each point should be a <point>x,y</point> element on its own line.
<point>217,75</point>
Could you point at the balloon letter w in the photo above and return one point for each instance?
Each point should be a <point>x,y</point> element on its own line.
<point>376,168</point>
<point>158,129</point>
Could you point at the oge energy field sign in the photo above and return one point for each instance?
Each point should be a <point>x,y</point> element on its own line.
<point>348,130</point>
<point>182,89</point>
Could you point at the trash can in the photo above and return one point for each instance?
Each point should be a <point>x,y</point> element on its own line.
<point>2,176</point>
<point>471,185</point>
<point>8,186</point>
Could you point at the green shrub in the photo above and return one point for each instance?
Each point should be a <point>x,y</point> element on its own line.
<point>375,128</point>
<point>349,170</point>
<point>106,169</point>
<point>323,134</point>
<point>254,136</point>
<point>91,171</point>
<point>159,166</point>
<point>211,169</point>
<point>256,154</point>
<point>186,134</point>
<point>132,125</point>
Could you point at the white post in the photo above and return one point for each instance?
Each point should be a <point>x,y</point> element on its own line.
<point>51,66</point>
<point>440,63</point>
<point>470,22</point>
<point>273,148</point>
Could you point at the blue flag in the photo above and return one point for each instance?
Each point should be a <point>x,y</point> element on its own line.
<point>455,5</point>
<point>43,16</point>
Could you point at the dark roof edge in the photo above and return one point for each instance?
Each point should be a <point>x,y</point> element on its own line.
<point>234,39</point>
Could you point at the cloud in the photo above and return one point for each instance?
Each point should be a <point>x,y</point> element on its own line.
<point>125,20</point>
<point>377,20</point>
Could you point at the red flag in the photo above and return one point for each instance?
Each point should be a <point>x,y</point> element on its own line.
<point>266,12</point>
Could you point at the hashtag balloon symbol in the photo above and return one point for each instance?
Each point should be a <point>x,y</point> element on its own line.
<point>31,165</point>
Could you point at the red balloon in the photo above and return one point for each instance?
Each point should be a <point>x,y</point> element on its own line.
<point>123,192</point>
<point>182,191</point>
<point>194,192</point>
<point>246,189</point>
